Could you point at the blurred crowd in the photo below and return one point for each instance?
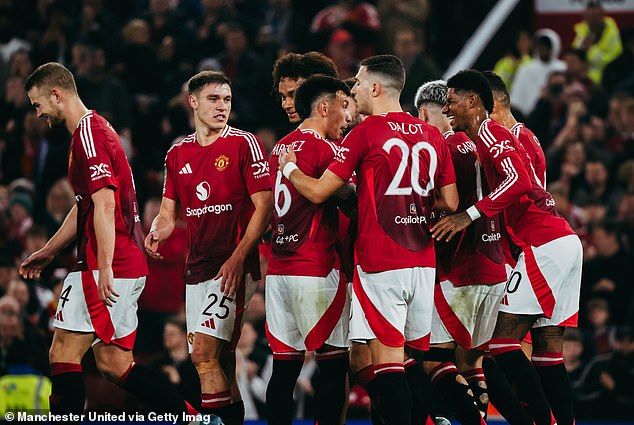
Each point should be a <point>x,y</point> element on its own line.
<point>131,60</point>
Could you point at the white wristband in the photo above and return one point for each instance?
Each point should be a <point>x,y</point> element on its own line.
<point>288,169</point>
<point>473,213</point>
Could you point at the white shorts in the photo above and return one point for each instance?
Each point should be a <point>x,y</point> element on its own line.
<point>305,312</point>
<point>212,313</point>
<point>465,314</point>
<point>80,309</point>
<point>546,281</point>
<point>394,306</point>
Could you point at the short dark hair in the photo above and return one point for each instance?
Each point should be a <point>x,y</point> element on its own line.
<point>317,88</point>
<point>498,87</point>
<point>350,82</point>
<point>296,66</point>
<point>389,67</point>
<point>203,78</point>
<point>544,41</point>
<point>51,74</point>
<point>473,81</point>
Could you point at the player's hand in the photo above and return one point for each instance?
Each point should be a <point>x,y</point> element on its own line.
<point>286,155</point>
<point>232,273</point>
<point>450,226</point>
<point>32,267</point>
<point>105,287</point>
<point>151,245</point>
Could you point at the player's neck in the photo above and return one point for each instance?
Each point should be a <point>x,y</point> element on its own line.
<point>507,119</point>
<point>74,112</point>
<point>386,106</point>
<point>205,136</point>
<point>315,124</point>
<point>475,122</point>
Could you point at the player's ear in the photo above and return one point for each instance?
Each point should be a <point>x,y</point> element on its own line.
<point>322,109</point>
<point>193,102</point>
<point>376,89</point>
<point>56,94</point>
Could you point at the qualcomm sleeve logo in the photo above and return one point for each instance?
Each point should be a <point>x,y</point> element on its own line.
<point>99,171</point>
<point>203,190</point>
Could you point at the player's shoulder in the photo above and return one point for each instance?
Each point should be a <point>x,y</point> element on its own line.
<point>94,133</point>
<point>490,131</point>
<point>185,143</point>
<point>246,139</point>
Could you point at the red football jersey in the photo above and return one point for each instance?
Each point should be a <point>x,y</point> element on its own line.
<point>96,161</point>
<point>475,256</point>
<point>213,184</point>
<point>534,150</point>
<point>304,234</point>
<point>400,163</point>
<point>529,211</point>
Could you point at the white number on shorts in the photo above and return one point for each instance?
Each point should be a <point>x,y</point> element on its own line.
<point>222,305</point>
<point>394,187</point>
<point>281,188</point>
<point>516,283</point>
<point>64,295</point>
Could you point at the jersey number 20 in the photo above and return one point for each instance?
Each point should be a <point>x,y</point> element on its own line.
<point>394,187</point>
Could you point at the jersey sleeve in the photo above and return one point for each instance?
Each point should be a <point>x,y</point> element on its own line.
<point>169,187</point>
<point>96,159</point>
<point>255,165</point>
<point>348,155</point>
<point>446,172</point>
<point>512,179</point>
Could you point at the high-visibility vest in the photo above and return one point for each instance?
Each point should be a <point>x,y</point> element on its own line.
<point>24,393</point>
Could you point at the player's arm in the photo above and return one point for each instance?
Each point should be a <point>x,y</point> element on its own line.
<point>32,267</point>
<point>448,198</point>
<point>513,182</point>
<point>162,227</point>
<point>316,191</point>
<point>232,271</point>
<point>103,221</point>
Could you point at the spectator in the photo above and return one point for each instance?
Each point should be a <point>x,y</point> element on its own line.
<point>20,209</point>
<point>601,330</point>
<point>597,186</point>
<point>619,73</point>
<point>519,54</point>
<point>101,91</point>
<point>618,379</point>
<point>175,362</point>
<point>609,274</point>
<point>59,201</point>
<point>282,31</point>
<point>408,46</point>
<point>252,377</point>
<point>549,114</point>
<point>358,17</point>
<point>243,67</point>
<point>533,76</point>
<point>164,293</point>
<point>340,49</point>
<point>598,35</point>
<point>397,14</point>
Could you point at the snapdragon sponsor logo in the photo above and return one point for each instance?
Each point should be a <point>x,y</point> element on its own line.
<point>208,209</point>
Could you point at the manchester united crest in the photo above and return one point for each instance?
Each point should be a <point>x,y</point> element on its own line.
<point>221,163</point>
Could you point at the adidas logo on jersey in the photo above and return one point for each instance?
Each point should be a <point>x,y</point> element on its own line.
<point>209,323</point>
<point>59,317</point>
<point>187,169</point>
